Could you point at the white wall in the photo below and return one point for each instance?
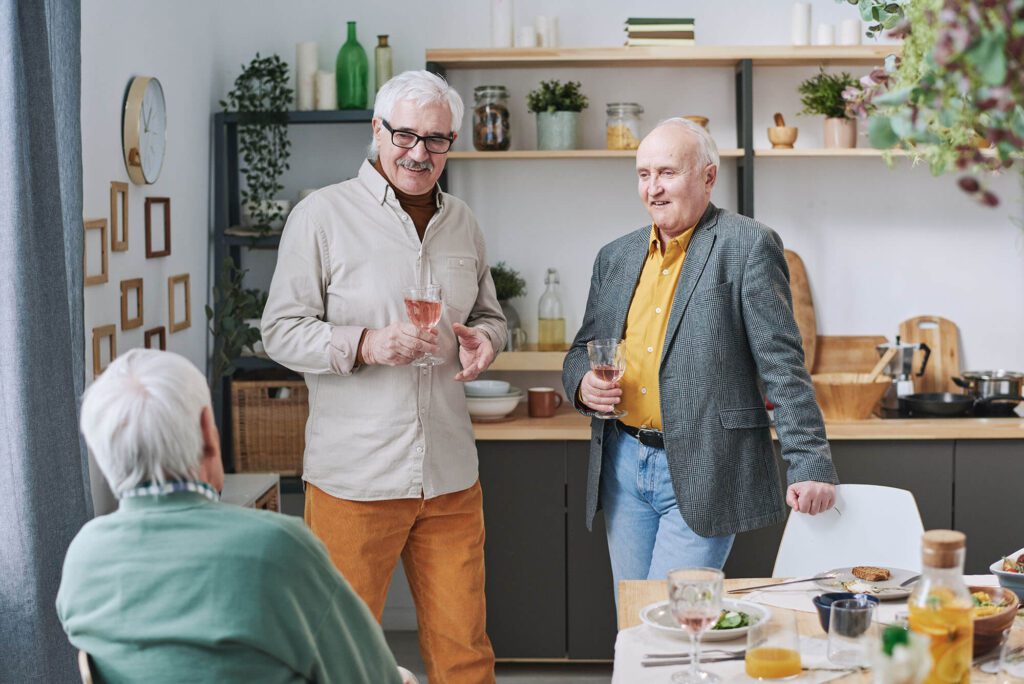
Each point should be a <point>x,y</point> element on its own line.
<point>880,245</point>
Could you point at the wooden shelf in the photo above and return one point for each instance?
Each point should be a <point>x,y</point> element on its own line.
<point>563,154</point>
<point>696,55</point>
<point>324,116</point>
<point>529,360</point>
<point>827,152</point>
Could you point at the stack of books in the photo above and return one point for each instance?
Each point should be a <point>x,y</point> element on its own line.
<point>658,31</point>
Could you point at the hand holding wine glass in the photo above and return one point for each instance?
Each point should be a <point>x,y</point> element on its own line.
<point>695,598</point>
<point>599,388</point>
<point>423,305</point>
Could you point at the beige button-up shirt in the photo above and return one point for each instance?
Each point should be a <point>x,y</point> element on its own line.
<point>347,251</point>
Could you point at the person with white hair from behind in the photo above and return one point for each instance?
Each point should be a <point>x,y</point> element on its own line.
<point>176,586</point>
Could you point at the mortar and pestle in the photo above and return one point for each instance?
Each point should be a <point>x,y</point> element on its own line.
<point>782,136</point>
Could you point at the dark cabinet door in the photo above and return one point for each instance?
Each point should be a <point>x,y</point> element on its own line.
<point>591,607</point>
<point>989,492</point>
<point>524,513</point>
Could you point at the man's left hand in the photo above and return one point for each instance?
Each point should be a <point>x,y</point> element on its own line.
<point>475,351</point>
<point>811,497</point>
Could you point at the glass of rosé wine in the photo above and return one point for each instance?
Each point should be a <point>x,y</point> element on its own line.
<point>423,306</point>
<point>608,361</point>
<point>695,599</point>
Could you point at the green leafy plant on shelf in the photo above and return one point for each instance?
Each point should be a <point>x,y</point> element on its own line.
<point>233,306</point>
<point>261,97</point>
<point>507,282</point>
<point>555,96</point>
<point>880,15</point>
<point>955,96</point>
<point>823,94</point>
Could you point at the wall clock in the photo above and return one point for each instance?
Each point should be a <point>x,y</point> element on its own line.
<point>144,130</point>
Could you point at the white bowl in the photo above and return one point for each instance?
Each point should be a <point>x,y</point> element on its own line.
<point>1014,581</point>
<point>658,616</point>
<point>486,388</point>
<point>492,407</point>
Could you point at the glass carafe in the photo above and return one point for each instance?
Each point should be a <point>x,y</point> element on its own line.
<point>551,320</point>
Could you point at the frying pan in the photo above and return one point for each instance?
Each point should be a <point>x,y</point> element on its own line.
<point>938,404</point>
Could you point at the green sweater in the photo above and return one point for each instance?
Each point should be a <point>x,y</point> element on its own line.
<point>178,588</point>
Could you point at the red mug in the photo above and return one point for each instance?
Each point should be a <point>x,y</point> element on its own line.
<point>542,402</point>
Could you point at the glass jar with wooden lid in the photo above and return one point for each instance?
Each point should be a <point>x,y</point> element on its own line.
<point>491,131</point>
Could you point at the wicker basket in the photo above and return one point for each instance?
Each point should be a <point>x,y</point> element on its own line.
<point>269,429</point>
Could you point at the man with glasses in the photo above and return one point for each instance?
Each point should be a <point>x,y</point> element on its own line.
<point>390,464</point>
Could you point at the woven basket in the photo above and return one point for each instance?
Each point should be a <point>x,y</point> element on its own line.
<point>269,429</point>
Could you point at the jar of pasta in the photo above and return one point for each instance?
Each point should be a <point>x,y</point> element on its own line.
<point>623,125</point>
<point>490,118</point>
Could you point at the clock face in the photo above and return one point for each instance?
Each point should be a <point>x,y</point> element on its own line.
<point>152,131</point>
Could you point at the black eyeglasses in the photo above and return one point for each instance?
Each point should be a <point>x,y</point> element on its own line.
<point>434,144</point>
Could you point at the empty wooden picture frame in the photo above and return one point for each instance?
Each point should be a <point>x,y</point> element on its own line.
<point>100,333</point>
<point>102,276</point>
<point>165,250</point>
<point>118,216</point>
<point>159,331</point>
<point>173,323</point>
<point>127,287</point>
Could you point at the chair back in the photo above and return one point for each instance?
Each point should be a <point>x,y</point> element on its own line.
<point>84,670</point>
<point>874,525</point>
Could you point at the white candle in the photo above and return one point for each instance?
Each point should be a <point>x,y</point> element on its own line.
<point>826,34</point>
<point>305,74</point>
<point>849,32</point>
<point>547,30</point>
<point>801,23</point>
<point>501,23</point>
<point>526,37</point>
<point>326,90</point>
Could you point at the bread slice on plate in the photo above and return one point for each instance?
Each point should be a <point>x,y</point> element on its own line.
<point>871,573</point>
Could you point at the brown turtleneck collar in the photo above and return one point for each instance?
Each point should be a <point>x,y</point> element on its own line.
<point>421,208</point>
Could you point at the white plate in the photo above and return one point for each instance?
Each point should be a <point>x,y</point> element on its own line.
<point>659,616</point>
<point>889,590</point>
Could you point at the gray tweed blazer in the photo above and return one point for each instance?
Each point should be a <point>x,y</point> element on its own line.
<point>731,325</point>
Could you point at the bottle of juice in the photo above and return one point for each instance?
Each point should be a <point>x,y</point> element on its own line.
<point>941,607</point>
<point>551,321</point>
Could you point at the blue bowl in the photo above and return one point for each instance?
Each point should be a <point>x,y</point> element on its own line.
<point>823,602</point>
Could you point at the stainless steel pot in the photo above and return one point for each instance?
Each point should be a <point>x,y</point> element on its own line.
<point>998,383</point>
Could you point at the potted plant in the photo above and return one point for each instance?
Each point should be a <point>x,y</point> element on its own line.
<point>823,94</point>
<point>507,285</point>
<point>234,319</point>
<point>558,108</point>
<point>261,97</point>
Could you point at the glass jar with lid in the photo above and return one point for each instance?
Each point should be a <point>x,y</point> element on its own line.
<point>490,118</point>
<point>623,125</point>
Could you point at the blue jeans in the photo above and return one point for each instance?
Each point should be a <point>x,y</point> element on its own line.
<point>647,535</point>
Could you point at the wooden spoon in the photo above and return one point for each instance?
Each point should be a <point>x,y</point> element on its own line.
<point>882,363</point>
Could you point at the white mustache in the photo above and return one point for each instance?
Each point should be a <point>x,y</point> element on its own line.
<point>414,165</point>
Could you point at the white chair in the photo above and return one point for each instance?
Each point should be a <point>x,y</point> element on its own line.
<point>875,526</point>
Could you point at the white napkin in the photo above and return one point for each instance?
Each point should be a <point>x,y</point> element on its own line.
<point>634,643</point>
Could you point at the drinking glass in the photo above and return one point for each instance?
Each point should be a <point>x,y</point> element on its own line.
<point>423,306</point>
<point>695,598</point>
<point>773,648</point>
<point>1011,658</point>
<point>851,634</point>
<point>608,361</point>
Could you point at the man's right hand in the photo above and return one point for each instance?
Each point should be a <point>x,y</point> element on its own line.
<point>397,345</point>
<point>599,395</point>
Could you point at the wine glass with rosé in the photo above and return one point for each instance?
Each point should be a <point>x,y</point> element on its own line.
<point>695,599</point>
<point>608,361</point>
<point>423,306</point>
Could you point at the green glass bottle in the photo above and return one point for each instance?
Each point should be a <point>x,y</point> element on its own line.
<point>350,71</point>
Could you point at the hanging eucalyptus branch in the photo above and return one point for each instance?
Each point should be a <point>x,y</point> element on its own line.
<point>261,97</point>
<point>880,15</point>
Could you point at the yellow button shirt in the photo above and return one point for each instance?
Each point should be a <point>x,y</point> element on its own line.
<point>646,324</point>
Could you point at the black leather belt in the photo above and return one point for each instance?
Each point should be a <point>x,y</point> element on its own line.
<point>651,438</point>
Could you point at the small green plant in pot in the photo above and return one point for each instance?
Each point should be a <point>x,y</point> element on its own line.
<point>508,284</point>
<point>558,106</point>
<point>822,94</point>
<point>234,319</point>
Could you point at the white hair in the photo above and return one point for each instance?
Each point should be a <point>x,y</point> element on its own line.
<point>420,87</point>
<point>140,419</point>
<point>707,150</point>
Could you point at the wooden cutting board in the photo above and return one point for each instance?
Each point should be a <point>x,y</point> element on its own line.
<point>943,338</point>
<point>803,307</point>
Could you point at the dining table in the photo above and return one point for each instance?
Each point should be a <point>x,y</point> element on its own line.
<point>635,637</point>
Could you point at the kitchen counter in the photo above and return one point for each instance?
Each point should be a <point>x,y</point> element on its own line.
<point>567,425</point>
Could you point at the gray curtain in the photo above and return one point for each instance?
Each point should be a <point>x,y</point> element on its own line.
<point>44,492</point>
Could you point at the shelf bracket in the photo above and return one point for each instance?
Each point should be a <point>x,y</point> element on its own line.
<point>745,136</point>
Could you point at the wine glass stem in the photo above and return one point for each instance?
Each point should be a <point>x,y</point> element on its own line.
<point>694,655</point>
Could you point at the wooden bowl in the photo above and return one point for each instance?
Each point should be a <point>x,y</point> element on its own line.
<point>848,396</point>
<point>991,631</point>
<point>782,137</point>
<point>701,121</point>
